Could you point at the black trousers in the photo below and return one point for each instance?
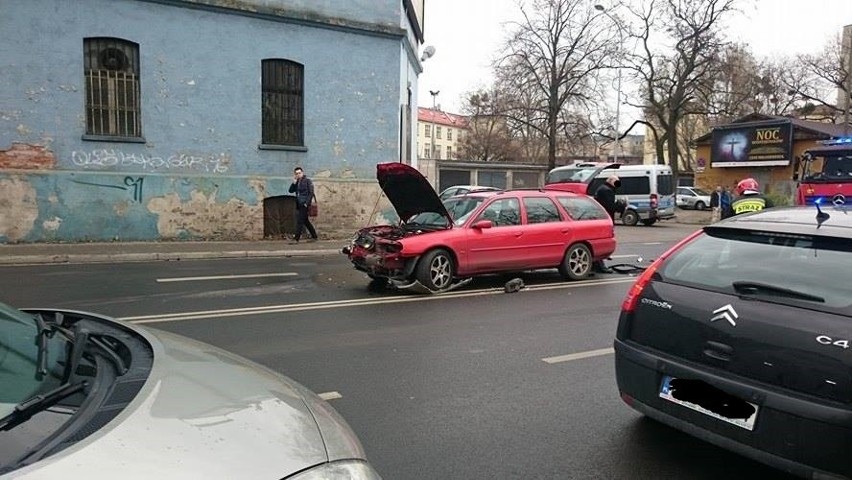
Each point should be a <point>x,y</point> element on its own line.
<point>303,221</point>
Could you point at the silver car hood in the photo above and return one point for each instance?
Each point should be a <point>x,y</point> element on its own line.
<point>207,413</point>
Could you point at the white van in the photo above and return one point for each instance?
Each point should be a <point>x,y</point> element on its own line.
<point>648,190</point>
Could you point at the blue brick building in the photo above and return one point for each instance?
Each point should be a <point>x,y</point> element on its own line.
<point>176,119</point>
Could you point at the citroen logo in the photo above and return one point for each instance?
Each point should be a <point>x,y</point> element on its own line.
<point>838,200</point>
<point>726,313</point>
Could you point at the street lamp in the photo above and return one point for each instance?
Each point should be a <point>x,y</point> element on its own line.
<point>434,94</point>
<point>615,20</point>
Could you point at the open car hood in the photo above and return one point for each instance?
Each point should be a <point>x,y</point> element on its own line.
<point>408,191</point>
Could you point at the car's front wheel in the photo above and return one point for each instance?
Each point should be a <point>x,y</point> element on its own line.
<point>699,205</point>
<point>577,263</point>
<point>435,269</point>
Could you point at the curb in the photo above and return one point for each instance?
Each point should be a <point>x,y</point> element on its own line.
<point>154,257</point>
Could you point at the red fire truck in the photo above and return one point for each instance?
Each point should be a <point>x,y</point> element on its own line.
<point>826,174</point>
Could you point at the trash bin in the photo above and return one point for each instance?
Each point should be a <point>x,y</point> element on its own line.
<point>279,216</point>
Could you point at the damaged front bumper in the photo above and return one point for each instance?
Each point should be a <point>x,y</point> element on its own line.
<point>397,270</point>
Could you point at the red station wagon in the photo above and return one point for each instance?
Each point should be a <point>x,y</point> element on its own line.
<point>437,246</point>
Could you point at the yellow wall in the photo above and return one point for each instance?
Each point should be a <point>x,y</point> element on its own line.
<point>772,179</point>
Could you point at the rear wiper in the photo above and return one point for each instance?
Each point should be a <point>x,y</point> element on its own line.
<point>757,287</point>
<point>26,409</point>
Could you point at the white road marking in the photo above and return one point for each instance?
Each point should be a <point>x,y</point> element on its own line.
<point>330,396</point>
<point>298,307</point>
<point>653,243</point>
<point>623,256</point>
<point>225,277</point>
<point>578,356</point>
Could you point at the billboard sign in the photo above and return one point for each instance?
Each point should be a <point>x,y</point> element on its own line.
<point>766,144</point>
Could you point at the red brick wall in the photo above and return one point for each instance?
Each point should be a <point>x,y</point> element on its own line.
<point>23,156</point>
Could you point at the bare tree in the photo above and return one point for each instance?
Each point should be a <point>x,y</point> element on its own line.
<point>671,81</point>
<point>488,138</point>
<point>550,63</point>
<point>740,85</point>
<point>822,80</point>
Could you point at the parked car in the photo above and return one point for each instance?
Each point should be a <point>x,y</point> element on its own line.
<point>88,396</point>
<point>437,245</point>
<point>740,335</point>
<point>692,198</point>
<point>465,189</point>
<point>647,190</point>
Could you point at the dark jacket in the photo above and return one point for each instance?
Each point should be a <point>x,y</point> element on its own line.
<point>304,190</point>
<point>605,195</point>
<point>714,199</point>
<point>753,202</point>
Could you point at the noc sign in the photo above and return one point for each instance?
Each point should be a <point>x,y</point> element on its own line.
<point>752,145</point>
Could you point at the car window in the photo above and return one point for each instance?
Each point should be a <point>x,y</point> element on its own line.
<point>698,191</point>
<point>19,359</point>
<point>502,212</point>
<point>541,210</point>
<point>665,186</point>
<point>810,265</point>
<point>685,192</point>
<point>582,208</point>
<point>635,186</point>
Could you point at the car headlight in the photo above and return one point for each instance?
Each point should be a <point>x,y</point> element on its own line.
<point>341,470</point>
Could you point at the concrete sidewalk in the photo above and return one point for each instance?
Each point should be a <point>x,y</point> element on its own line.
<point>35,253</point>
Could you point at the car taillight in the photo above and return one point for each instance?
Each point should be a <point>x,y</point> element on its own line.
<point>632,298</point>
<point>654,201</point>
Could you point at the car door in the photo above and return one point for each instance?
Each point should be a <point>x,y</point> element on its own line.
<point>683,195</point>
<point>499,247</point>
<point>546,233</point>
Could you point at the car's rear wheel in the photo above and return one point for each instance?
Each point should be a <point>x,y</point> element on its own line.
<point>699,205</point>
<point>435,269</point>
<point>577,263</point>
<point>630,218</point>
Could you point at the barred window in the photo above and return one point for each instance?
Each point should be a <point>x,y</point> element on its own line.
<point>282,86</point>
<point>111,68</point>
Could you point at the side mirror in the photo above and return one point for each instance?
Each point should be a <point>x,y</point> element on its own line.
<point>480,224</point>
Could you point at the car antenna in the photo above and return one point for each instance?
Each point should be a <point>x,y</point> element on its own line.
<point>821,216</point>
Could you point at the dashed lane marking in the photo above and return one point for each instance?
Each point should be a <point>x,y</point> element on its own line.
<point>579,356</point>
<point>225,277</point>
<point>330,396</point>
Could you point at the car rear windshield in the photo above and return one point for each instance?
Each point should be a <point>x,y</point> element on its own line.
<point>810,266</point>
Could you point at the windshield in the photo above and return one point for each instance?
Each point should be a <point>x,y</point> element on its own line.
<point>832,169</point>
<point>19,359</point>
<point>461,208</point>
<point>577,174</point>
<point>813,267</point>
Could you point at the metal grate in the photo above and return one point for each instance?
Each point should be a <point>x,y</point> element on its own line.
<point>282,86</point>
<point>111,68</point>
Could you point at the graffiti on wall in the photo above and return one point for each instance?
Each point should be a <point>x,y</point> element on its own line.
<point>108,157</point>
<point>134,185</point>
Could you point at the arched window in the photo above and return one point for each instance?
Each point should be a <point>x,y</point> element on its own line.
<point>111,68</point>
<point>282,86</point>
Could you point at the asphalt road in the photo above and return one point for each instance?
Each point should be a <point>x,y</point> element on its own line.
<point>476,383</point>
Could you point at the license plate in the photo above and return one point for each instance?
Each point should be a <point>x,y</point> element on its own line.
<point>704,398</point>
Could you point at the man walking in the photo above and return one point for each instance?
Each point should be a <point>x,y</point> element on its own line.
<point>303,187</point>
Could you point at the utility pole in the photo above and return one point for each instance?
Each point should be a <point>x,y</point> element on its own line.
<point>617,22</point>
<point>434,94</point>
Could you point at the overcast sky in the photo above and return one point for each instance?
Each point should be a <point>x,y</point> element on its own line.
<point>466,35</point>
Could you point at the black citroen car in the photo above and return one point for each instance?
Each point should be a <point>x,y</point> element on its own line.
<point>740,335</point>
